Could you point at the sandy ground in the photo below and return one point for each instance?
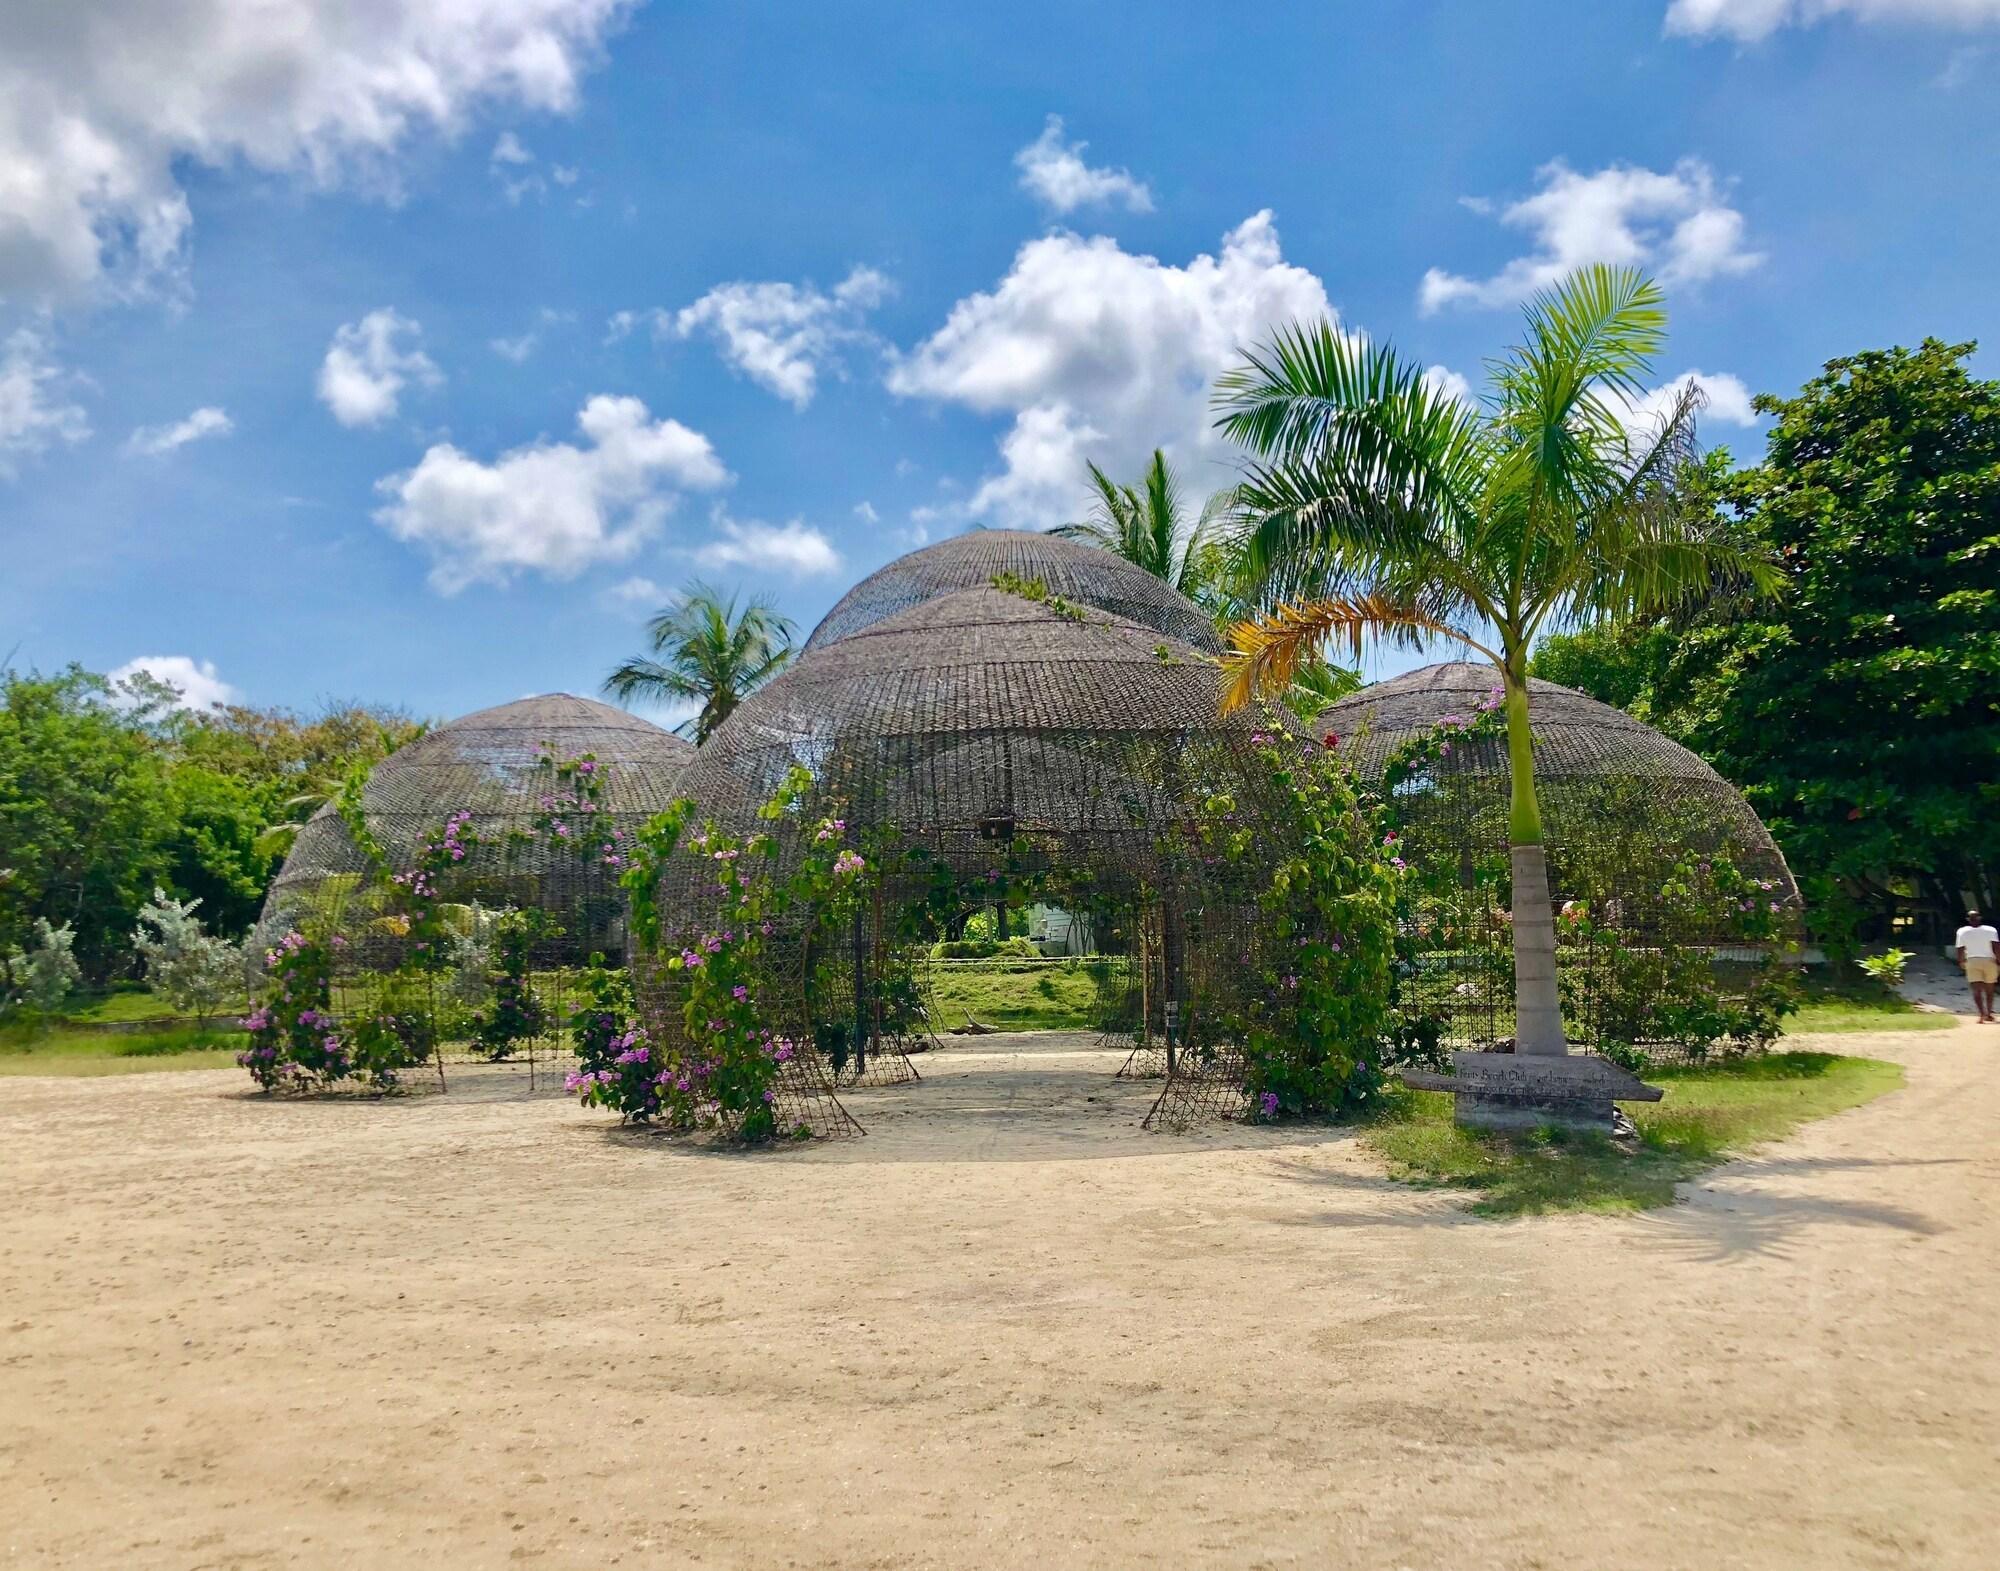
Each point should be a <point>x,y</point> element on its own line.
<point>1005,1329</point>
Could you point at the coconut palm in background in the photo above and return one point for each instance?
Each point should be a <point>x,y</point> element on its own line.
<point>705,651</point>
<point>1376,505</point>
<point>1147,524</point>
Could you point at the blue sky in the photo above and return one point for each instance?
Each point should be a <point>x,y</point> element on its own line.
<point>414,352</point>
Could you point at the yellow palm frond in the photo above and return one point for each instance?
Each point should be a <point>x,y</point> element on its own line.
<point>1265,652</point>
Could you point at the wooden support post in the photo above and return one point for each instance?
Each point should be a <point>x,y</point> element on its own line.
<point>859,950</point>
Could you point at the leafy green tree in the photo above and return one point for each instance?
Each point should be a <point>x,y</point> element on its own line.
<point>85,814</point>
<point>1861,713</point>
<point>1376,505</point>
<point>704,651</point>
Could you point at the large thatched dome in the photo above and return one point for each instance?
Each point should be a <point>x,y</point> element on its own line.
<point>1078,573</point>
<point>489,764</point>
<point>974,743</point>
<point>978,706</point>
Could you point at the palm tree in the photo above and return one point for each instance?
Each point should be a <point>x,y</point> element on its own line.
<point>1146,525</point>
<point>709,653</point>
<point>1376,505</point>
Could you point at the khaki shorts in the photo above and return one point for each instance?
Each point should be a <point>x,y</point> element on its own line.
<point>1982,970</point>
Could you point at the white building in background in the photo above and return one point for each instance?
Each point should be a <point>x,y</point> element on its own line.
<point>1058,931</point>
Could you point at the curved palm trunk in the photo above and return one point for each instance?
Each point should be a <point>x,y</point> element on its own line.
<point>1538,1026</point>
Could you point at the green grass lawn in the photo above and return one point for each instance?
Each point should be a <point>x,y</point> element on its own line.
<point>1710,1114</point>
<point>68,1052</point>
<point>127,1004</point>
<point>1830,1003</point>
<point>1021,995</point>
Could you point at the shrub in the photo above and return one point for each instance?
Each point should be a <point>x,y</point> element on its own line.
<point>197,971</point>
<point>42,977</point>
<point>1887,968</point>
<point>986,949</point>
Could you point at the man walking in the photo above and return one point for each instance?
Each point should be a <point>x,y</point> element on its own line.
<point>1978,947</point>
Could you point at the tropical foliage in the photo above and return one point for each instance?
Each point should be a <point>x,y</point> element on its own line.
<point>1377,504</point>
<point>1861,712</point>
<point>706,651</point>
<point>1149,526</point>
<point>107,795</point>
<point>196,971</point>
<point>42,975</point>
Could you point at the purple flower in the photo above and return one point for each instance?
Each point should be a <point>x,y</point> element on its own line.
<point>1268,1104</point>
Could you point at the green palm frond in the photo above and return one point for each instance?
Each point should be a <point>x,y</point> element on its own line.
<point>709,652</point>
<point>1146,524</point>
<point>1364,485</point>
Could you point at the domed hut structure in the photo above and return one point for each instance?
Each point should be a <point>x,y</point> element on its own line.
<point>1676,903</point>
<point>977,745</point>
<point>1077,573</point>
<point>482,856</point>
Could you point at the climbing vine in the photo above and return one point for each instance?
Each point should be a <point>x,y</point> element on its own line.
<point>719,975</point>
<point>1315,1027</point>
<point>295,1039</point>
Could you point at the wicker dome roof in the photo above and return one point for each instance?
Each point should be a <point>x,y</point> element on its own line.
<point>1583,749</point>
<point>970,705</point>
<point>1574,733</point>
<point>487,763</point>
<point>1078,573</point>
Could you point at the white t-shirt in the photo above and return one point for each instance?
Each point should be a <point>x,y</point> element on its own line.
<point>1977,942</point>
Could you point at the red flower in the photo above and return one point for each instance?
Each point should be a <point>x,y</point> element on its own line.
<point>1331,740</point>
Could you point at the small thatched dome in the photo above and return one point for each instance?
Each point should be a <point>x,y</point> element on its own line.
<point>489,764</point>
<point>1640,833</point>
<point>1081,574</point>
<point>1600,774</point>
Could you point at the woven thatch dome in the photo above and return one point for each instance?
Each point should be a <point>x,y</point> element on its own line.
<point>1637,829</point>
<point>975,744</point>
<point>1078,573</point>
<point>1588,755</point>
<point>976,706</point>
<point>487,763</point>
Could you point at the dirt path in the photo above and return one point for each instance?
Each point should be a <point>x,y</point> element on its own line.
<point>1006,1329</point>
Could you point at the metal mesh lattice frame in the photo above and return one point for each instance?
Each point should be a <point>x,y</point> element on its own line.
<point>1081,574</point>
<point>488,764</point>
<point>1621,805</point>
<point>972,725</point>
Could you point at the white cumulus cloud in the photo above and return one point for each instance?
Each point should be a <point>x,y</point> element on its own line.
<point>369,364</point>
<point>780,335</point>
<point>795,549</point>
<point>1099,354</point>
<point>103,101</point>
<point>551,507</point>
<point>152,441</point>
<point>1724,399</point>
<point>1453,384</point>
<point>1749,20</point>
<point>196,681</point>
<point>1676,224</point>
<point>636,591</point>
<point>1054,172</point>
<point>35,410</point>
